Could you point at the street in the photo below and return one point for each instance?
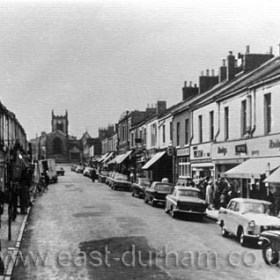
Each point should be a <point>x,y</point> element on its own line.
<point>83,230</point>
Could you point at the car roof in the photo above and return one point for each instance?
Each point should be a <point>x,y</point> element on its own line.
<point>187,188</point>
<point>244,200</point>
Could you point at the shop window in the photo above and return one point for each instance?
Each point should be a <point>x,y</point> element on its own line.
<point>200,138</point>
<point>267,113</point>
<point>226,123</point>
<point>178,134</point>
<point>211,118</point>
<point>183,167</point>
<point>243,117</point>
<point>187,128</point>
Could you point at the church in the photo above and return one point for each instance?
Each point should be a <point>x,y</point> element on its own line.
<point>58,144</point>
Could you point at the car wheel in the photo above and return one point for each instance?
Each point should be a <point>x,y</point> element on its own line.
<point>270,256</point>
<point>145,199</point>
<point>241,237</point>
<point>166,210</point>
<point>153,203</point>
<point>224,232</point>
<point>172,213</point>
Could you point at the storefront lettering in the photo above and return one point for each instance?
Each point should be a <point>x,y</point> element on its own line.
<point>255,153</point>
<point>241,149</point>
<point>222,150</point>
<point>198,153</point>
<point>274,144</point>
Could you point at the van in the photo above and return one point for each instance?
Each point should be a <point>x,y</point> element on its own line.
<point>48,165</point>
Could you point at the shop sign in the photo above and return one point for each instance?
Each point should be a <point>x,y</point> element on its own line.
<point>274,144</point>
<point>201,151</point>
<point>222,150</point>
<point>239,149</point>
<point>183,152</point>
<point>198,154</point>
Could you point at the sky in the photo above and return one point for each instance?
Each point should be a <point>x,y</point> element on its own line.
<point>98,58</point>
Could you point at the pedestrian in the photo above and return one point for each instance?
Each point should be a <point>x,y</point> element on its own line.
<point>224,198</point>
<point>93,175</point>
<point>209,194</point>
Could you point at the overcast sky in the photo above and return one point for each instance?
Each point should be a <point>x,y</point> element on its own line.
<point>100,58</point>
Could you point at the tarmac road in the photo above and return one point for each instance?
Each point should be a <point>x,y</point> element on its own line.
<point>84,230</point>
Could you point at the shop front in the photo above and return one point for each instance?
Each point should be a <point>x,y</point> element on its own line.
<point>183,165</point>
<point>201,161</point>
<point>158,167</point>
<point>262,157</point>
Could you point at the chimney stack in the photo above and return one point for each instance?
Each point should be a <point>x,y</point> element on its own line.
<point>230,66</point>
<point>207,82</point>
<point>189,91</point>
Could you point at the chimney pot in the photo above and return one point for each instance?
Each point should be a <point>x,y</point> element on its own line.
<point>190,84</point>
<point>185,84</point>
<point>247,49</point>
<point>230,52</point>
<point>213,72</point>
<point>207,72</point>
<point>195,85</point>
<point>271,50</point>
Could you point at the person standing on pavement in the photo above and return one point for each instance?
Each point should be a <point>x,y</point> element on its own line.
<point>209,194</point>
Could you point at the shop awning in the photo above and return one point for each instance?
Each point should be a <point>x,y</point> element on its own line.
<point>274,177</point>
<point>103,157</point>
<point>153,160</point>
<point>108,157</point>
<point>253,168</point>
<point>123,157</point>
<point>202,165</point>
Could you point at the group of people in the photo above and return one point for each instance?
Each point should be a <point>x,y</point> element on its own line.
<point>216,193</point>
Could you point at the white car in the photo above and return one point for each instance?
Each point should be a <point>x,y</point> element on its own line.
<point>87,171</point>
<point>246,218</point>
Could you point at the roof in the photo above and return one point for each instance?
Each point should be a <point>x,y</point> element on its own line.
<point>187,188</point>
<point>240,199</point>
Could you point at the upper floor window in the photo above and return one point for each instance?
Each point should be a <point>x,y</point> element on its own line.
<point>187,131</point>
<point>163,133</point>
<point>178,134</point>
<point>154,135</point>
<point>267,113</point>
<point>211,119</point>
<point>243,117</point>
<point>226,123</point>
<point>200,137</point>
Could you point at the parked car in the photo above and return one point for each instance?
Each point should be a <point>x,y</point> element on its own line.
<point>185,200</point>
<point>87,171</point>
<point>79,169</point>
<point>60,171</point>
<point>74,167</point>
<point>157,193</point>
<point>138,188</point>
<point>102,175</point>
<point>108,179</point>
<point>270,244</point>
<point>246,218</point>
<point>120,181</point>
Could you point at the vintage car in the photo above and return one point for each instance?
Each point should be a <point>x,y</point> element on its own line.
<point>120,181</point>
<point>270,244</point>
<point>157,193</point>
<point>60,171</point>
<point>138,188</point>
<point>102,175</point>
<point>109,178</point>
<point>246,218</point>
<point>87,171</point>
<point>79,169</point>
<point>73,167</point>
<point>185,200</point>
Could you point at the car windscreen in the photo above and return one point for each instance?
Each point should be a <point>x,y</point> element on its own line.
<point>258,208</point>
<point>191,193</point>
<point>121,177</point>
<point>163,188</point>
<point>144,182</point>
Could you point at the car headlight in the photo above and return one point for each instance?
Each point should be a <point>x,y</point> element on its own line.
<point>252,224</point>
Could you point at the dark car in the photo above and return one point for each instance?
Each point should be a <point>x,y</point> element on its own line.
<point>138,188</point>
<point>120,181</point>
<point>157,193</point>
<point>270,243</point>
<point>60,171</point>
<point>185,200</point>
<point>102,175</point>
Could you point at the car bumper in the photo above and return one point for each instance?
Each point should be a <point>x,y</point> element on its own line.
<point>159,201</point>
<point>189,212</point>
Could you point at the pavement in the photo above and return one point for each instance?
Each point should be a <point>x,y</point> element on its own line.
<point>11,247</point>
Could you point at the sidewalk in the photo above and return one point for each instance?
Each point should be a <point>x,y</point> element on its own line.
<point>17,229</point>
<point>212,214</point>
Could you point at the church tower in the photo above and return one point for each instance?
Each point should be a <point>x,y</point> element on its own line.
<point>60,123</point>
